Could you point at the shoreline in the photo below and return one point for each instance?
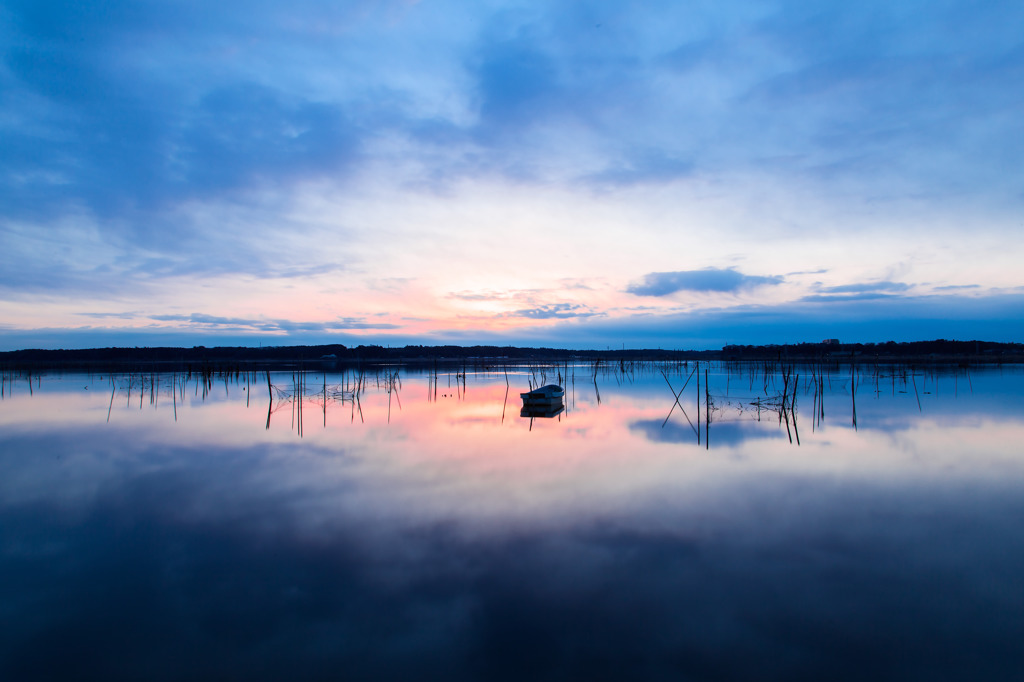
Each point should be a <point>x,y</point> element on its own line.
<point>239,358</point>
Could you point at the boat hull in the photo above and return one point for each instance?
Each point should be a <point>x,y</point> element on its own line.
<point>545,401</point>
<point>549,392</point>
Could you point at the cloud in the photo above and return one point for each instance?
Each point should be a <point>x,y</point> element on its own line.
<point>866,296</point>
<point>725,280</point>
<point>573,283</point>
<point>118,111</point>
<point>728,433</point>
<point>957,287</point>
<point>242,324</point>
<point>150,145</point>
<point>516,81</point>
<point>118,316</point>
<point>480,295</point>
<point>245,133</point>
<point>351,323</point>
<point>221,259</point>
<point>866,287</point>
<point>897,318</point>
<point>862,291</point>
<point>120,106</point>
<point>559,311</point>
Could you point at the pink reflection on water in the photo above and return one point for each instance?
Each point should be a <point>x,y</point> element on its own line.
<point>462,451</point>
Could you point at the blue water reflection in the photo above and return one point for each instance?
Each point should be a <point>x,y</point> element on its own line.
<point>453,543</point>
<point>726,433</point>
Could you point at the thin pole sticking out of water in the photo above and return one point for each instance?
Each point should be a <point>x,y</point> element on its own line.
<point>853,394</point>
<point>796,431</point>
<point>783,414</point>
<point>707,412</point>
<point>697,369</point>
<point>113,388</point>
<point>821,399</point>
<point>814,416</point>
<point>270,399</point>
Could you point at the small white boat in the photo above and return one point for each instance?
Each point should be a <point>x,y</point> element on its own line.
<point>545,396</point>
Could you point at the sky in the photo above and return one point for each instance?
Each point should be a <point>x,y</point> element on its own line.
<point>655,174</point>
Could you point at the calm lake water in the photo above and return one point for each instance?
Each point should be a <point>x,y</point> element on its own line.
<point>404,525</point>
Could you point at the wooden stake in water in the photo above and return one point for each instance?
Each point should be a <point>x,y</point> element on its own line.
<point>853,394</point>
<point>915,392</point>
<point>113,389</point>
<point>707,412</point>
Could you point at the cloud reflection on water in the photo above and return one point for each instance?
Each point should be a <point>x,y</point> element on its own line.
<point>453,545</point>
<point>842,582</point>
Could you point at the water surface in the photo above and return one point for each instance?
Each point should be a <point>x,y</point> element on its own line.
<point>402,524</point>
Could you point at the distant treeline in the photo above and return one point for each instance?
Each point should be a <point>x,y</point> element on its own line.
<point>200,358</point>
<point>939,350</point>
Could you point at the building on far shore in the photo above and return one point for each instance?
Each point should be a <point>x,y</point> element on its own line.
<point>830,342</point>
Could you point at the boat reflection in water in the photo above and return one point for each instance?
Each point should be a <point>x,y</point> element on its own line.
<point>544,402</point>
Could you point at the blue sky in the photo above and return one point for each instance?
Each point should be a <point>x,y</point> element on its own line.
<point>682,175</point>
